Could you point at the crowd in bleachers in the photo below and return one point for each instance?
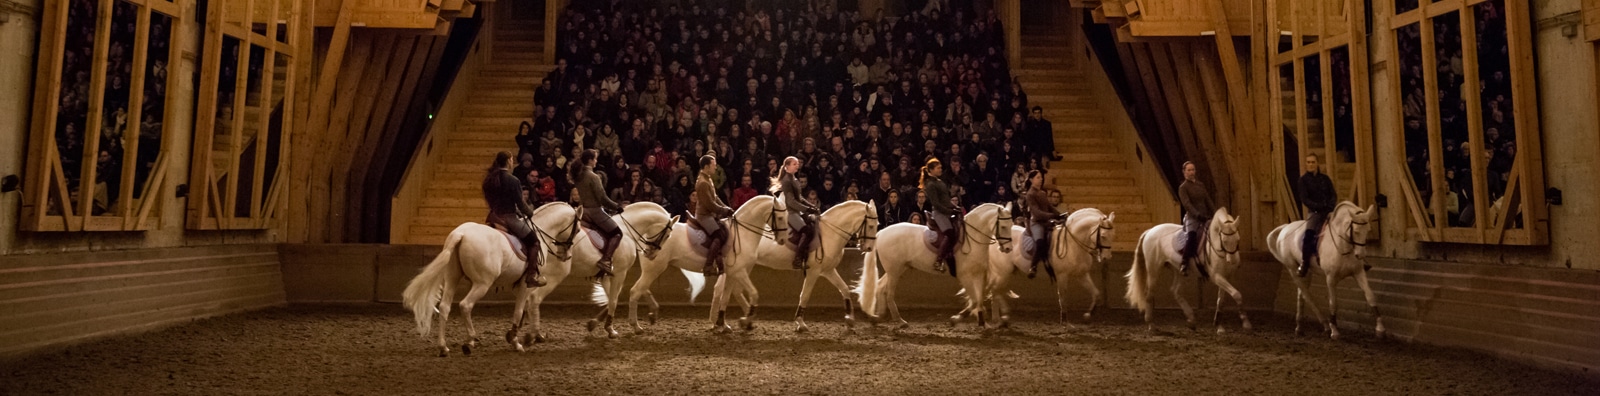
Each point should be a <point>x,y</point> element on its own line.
<point>1495,99</point>
<point>863,102</point>
<point>77,76</point>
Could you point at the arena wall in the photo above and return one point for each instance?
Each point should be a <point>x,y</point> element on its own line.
<point>50,300</point>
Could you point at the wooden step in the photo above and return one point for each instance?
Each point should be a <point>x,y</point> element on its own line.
<point>457,212</point>
<point>1072,173</point>
<point>495,121</point>
<point>1085,181</point>
<point>1046,73</point>
<point>1069,163</point>
<point>1100,191</point>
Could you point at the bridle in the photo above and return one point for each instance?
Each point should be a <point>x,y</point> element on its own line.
<point>1214,246</point>
<point>772,221</point>
<point>642,241</point>
<point>869,219</point>
<point>1350,237</point>
<point>1099,247</point>
<point>565,244</point>
<point>1003,238</point>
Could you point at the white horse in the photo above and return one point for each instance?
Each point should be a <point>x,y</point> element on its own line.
<point>644,225</point>
<point>744,236</point>
<point>1157,249</point>
<point>482,255</point>
<point>837,227</point>
<point>1075,245</point>
<point>1341,253</point>
<point>908,248</point>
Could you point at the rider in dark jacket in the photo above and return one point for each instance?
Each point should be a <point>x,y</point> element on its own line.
<point>1317,194</point>
<point>503,192</point>
<point>801,220</point>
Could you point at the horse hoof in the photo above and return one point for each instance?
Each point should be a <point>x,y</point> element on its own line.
<point>955,320</point>
<point>1299,332</point>
<point>611,333</point>
<point>904,325</point>
<point>1335,336</point>
<point>638,330</point>
<point>444,351</point>
<point>592,324</point>
<point>802,328</point>
<point>1087,316</point>
<point>1248,327</point>
<point>747,324</point>
<point>1220,330</point>
<point>466,349</point>
<point>539,338</point>
<point>652,317</point>
<point>511,336</point>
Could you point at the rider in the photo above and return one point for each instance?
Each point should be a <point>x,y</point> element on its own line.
<point>709,211</point>
<point>1316,193</point>
<point>1042,215</point>
<point>800,221</point>
<point>503,192</point>
<point>939,218</point>
<point>1197,213</point>
<point>592,194</point>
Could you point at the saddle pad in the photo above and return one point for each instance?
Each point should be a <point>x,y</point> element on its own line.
<point>516,244</point>
<point>697,240</point>
<point>596,238</point>
<point>931,240</point>
<point>1027,244</point>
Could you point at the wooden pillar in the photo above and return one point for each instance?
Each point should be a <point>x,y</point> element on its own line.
<point>552,19</point>
<point>1010,12</point>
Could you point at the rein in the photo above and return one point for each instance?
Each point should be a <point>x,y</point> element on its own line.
<point>777,226</point>
<point>850,236</point>
<point>654,242</point>
<point>1004,238</point>
<point>1213,246</point>
<point>572,233</point>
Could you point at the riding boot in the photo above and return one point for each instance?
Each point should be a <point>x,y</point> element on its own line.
<point>1041,254</point>
<point>714,253</point>
<point>802,249</point>
<point>1308,252</point>
<point>530,272</point>
<point>947,250</point>
<point>604,265</point>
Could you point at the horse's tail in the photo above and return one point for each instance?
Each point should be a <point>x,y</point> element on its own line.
<point>1138,283</point>
<point>867,288</point>
<point>426,291</point>
<point>598,295</point>
<point>697,283</point>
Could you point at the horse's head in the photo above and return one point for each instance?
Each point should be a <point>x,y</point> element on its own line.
<point>557,225</point>
<point>779,220</point>
<point>1106,233</point>
<point>648,224</point>
<point>1225,235</point>
<point>1358,223</point>
<point>867,234</point>
<point>1002,226</point>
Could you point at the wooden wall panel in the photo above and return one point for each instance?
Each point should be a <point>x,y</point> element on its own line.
<point>50,300</point>
<point>1543,316</point>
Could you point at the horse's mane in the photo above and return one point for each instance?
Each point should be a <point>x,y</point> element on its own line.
<point>542,208</point>
<point>841,205</point>
<point>1346,204</point>
<point>645,204</point>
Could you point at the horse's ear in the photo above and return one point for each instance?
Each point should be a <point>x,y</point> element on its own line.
<point>1111,217</point>
<point>676,218</point>
<point>1372,211</point>
<point>1008,206</point>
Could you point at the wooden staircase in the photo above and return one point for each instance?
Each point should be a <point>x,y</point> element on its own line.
<point>1343,172</point>
<point>1092,173</point>
<point>502,98</point>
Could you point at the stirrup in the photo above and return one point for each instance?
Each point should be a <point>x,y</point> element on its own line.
<point>534,280</point>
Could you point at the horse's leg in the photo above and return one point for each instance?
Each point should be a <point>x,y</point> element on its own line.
<point>1177,294</point>
<point>752,300</point>
<point>447,293</point>
<point>1094,295</point>
<point>1223,286</point>
<point>889,297</point>
<point>1333,306</point>
<point>719,304</point>
<point>805,295</point>
<point>538,325</point>
<point>1303,297</point>
<point>613,293</point>
<point>517,315</point>
<point>1372,301</point>
<point>471,300</point>
<point>844,293</point>
<point>648,272</point>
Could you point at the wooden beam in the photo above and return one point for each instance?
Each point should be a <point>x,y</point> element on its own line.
<point>383,50</point>
<point>1361,105</point>
<point>552,20</point>
<point>1161,59</point>
<point>361,163</point>
<point>1430,82</point>
<point>1152,92</point>
<point>1181,28</point>
<point>1469,93</point>
<point>1223,122</point>
<point>1204,133</point>
<point>338,126</point>
<point>317,121</point>
<point>1525,105</point>
<point>96,116</point>
<point>130,136</point>
<point>429,64</point>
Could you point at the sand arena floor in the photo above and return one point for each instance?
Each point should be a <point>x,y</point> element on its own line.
<point>371,349</point>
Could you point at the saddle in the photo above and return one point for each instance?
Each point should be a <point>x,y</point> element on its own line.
<point>516,243</point>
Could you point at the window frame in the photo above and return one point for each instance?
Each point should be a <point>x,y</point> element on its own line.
<point>1525,183</point>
